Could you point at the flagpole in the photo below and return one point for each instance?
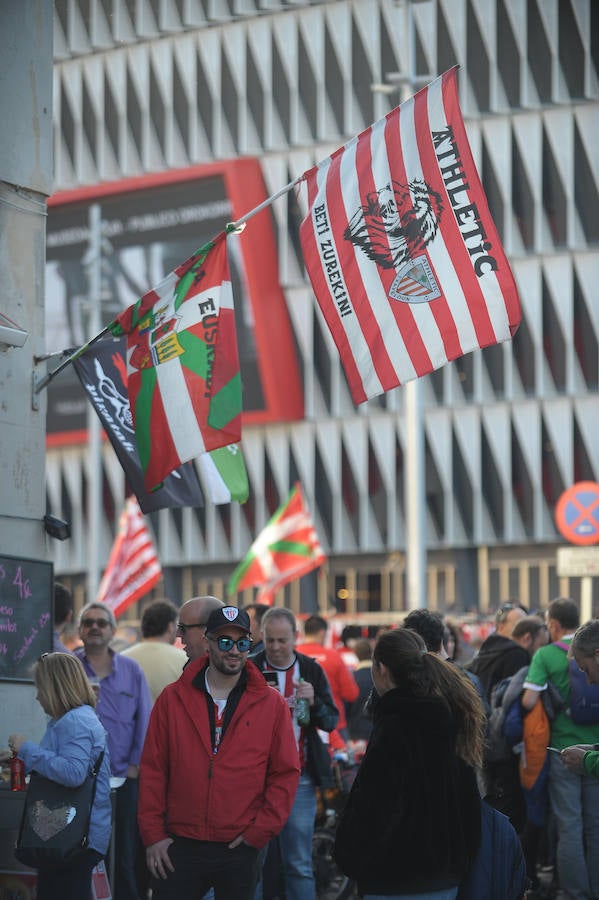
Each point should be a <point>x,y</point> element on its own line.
<point>234,226</point>
<point>231,228</point>
<point>415,472</point>
<point>94,449</point>
<point>45,381</point>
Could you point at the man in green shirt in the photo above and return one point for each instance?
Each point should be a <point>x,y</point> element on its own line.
<point>574,796</point>
<point>584,758</point>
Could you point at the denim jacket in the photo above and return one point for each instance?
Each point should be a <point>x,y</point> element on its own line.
<point>66,754</point>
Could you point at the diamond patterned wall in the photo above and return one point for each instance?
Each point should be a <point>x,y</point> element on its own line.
<point>157,84</point>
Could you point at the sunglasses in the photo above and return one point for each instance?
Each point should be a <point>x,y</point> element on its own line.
<point>226,643</point>
<point>101,623</point>
<point>502,612</point>
<point>182,627</point>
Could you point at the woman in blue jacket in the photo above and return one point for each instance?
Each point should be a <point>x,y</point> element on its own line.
<point>66,754</point>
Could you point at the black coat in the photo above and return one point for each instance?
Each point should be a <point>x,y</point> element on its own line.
<point>498,658</point>
<point>359,721</point>
<point>412,820</point>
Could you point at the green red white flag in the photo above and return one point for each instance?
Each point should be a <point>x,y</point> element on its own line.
<point>287,548</point>
<point>133,567</point>
<point>182,364</point>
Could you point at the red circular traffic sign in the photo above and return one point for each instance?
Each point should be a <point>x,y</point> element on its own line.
<point>577,513</point>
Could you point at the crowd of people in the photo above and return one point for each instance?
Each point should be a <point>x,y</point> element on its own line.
<point>219,726</point>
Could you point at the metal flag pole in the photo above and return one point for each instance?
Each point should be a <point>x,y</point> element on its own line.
<point>41,383</point>
<point>231,228</point>
<point>415,474</point>
<point>94,446</point>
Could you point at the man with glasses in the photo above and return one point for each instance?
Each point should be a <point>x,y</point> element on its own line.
<point>123,708</point>
<point>191,626</point>
<point>219,769</point>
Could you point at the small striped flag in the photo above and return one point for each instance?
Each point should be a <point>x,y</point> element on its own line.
<point>133,567</point>
<point>400,247</point>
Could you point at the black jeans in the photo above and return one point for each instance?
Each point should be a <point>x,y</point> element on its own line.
<point>200,865</point>
<point>126,838</point>
<point>69,883</point>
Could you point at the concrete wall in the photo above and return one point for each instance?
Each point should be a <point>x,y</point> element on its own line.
<point>26,29</point>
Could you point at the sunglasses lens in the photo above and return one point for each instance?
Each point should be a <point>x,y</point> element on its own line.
<point>226,643</point>
<point>101,623</point>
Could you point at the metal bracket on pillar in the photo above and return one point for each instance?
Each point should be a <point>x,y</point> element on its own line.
<point>38,383</point>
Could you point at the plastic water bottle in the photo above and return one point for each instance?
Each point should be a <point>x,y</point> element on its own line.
<point>302,709</point>
<point>17,773</point>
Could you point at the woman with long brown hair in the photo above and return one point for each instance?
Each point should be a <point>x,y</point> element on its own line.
<point>411,826</point>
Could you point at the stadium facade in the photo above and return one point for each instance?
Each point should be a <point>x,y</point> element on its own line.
<point>176,116</point>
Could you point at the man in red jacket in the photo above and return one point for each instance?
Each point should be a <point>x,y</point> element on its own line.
<point>219,770</point>
<point>341,681</point>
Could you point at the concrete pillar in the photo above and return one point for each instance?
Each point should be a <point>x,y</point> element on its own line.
<point>26,28</point>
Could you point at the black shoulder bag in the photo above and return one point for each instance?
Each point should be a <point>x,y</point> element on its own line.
<point>54,828</point>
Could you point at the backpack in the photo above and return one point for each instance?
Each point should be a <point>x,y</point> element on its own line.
<point>499,870</point>
<point>501,741</point>
<point>583,705</point>
<point>505,724</point>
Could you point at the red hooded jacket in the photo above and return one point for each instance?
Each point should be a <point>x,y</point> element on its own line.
<point>247,787</point>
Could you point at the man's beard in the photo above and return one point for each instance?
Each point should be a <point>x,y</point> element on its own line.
<point>224,669</point>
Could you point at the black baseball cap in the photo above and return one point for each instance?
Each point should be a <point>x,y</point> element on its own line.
<point>228,615</point>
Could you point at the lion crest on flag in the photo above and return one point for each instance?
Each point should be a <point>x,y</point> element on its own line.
<point>396,222</point>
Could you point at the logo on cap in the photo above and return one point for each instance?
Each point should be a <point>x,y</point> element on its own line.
<point>228,615</point>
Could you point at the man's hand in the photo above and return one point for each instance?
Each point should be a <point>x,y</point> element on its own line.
<point>572,757</point>
<point>304,689</point>
<point>158,860</point>
<point>132,771</point>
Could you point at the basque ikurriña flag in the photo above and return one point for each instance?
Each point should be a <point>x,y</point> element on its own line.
<point>287,548</point>
<point>400,247</point>
<point>182,364</point>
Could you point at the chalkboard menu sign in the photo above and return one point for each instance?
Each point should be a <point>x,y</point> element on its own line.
<point>26,591</point>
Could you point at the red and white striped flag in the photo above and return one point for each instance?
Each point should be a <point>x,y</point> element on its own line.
<point>133,567</point>
<point>400,247</point>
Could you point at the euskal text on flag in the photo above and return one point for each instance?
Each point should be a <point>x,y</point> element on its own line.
<point>182,364</point>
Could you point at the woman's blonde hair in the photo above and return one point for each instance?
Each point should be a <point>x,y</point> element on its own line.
<point>62,684</point>
<point>425,674</point>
